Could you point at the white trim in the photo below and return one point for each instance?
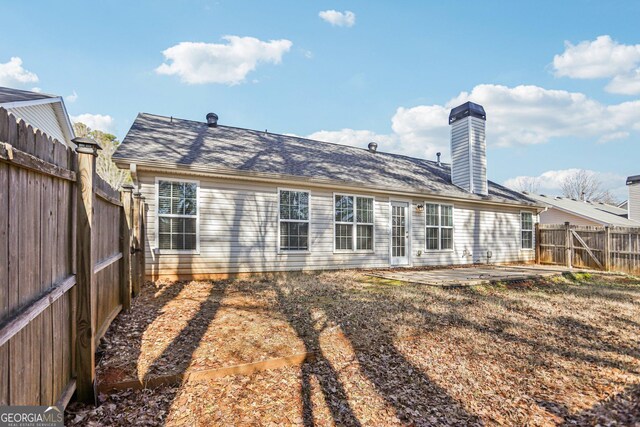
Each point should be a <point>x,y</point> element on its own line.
<point>156,250</point>
<point>354,232</point>
<point>533,234</point>
<point>440,227</point>
<point>308,221</point>
<point>30,102</point>
<point>408,250</point>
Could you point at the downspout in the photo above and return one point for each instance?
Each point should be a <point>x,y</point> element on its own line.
<point>470,156</point>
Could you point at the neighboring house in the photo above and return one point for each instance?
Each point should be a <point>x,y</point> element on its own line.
<point>42,111</point>
<point>633,183</point>
<point>225,200</point>
<point>577,212</point>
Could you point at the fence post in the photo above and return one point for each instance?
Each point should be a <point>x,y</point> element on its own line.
<point>87,150</point>
<point>607,248</point>
<point>135,246</point>
<point>568,246</point>
<point>143,238</point>
<point>125,245</point>
<point>537,237</point>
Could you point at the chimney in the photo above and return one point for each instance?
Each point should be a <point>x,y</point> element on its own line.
<point>633,204</point>
<point>212,120</point>
<point>373,147</point>
<point>468,148</point>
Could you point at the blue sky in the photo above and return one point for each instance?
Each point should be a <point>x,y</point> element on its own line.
<point>386,71</point>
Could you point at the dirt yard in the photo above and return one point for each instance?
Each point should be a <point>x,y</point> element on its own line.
<point>556,351</point>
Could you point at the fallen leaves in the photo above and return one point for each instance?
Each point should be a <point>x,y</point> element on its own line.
<point>543,353</point>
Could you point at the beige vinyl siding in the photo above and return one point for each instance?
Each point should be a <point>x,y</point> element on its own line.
<point>634,202</point>
<point>476,230</point>
<point>43,117</point>
<point>468,154</point>
<point>556,216</point>
<point>479,156</point>
<point>239,232</point>
<point>460,168</point>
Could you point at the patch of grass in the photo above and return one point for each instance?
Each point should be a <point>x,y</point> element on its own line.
<point>378,281</point>
<point>578,277</point>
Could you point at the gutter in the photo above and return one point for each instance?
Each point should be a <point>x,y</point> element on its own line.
<point>137,167</point>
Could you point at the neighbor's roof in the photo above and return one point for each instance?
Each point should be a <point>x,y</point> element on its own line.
<point>16,95</point>
<point>633,179</point>
<point>156,141</point>
<point>14,100</point>
<point>596,211</point>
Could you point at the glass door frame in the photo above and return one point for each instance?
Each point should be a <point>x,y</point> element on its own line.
<point>406,260</point>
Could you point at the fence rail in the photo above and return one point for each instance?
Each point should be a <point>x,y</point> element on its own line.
<point>60,285</point>
<point>600,248</point>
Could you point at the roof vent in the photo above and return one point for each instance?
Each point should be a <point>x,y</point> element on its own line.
<point>373,146</point>
<point>212,120</point>
<point>438,154</point>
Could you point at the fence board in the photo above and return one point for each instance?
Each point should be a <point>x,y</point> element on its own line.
<point>614,248</point>
<point>38,291</point>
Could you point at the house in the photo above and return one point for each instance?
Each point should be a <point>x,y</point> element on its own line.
<point>578,212</point>
<point>40,110</point>
<point>624,205</point>
<point>224,200</point>
<point>633,183</point>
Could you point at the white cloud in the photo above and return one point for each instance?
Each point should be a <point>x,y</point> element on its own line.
<point>518,115</point>
<point>339,19</point>
<point>199,63</point>
<point>36,89</point>
<point>602,58</point>
<point>625,84</point>
<point>12,73</point>
<point>550,182</point>
<point>613,136</point>
<point>72,98</point>
<point>101,122</point>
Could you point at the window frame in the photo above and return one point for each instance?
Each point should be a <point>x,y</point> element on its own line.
<point>533,234</point>
<point>157,249</point>
<point>354,224</point>
<point>281,251</point>
<point>439,227</point>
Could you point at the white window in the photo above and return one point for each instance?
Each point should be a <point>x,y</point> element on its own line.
<point>177,215</point>
<point>526,230</point>
<point>294,220</point>
<point>439,229</point>
<point>353,223</point>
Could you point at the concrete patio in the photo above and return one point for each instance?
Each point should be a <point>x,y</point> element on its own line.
<point>472,275</point>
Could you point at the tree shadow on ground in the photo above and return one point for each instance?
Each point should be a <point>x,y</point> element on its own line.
<point>620,409</point>
<point>179,352</point>
<point>174,360</point>
<point>415,398</point>
<point>124,333</point>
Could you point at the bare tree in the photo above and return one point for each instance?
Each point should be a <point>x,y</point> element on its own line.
<point>585,185</point>
<point>105,167</point>
<point>528,184</point>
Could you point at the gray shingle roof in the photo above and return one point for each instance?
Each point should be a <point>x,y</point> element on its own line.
<point>8,94</point>
<point>164,140</point>
<point>599,212</point>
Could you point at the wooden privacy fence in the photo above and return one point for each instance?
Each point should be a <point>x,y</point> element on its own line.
<point>67,252</point>
<point>600,248</point>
